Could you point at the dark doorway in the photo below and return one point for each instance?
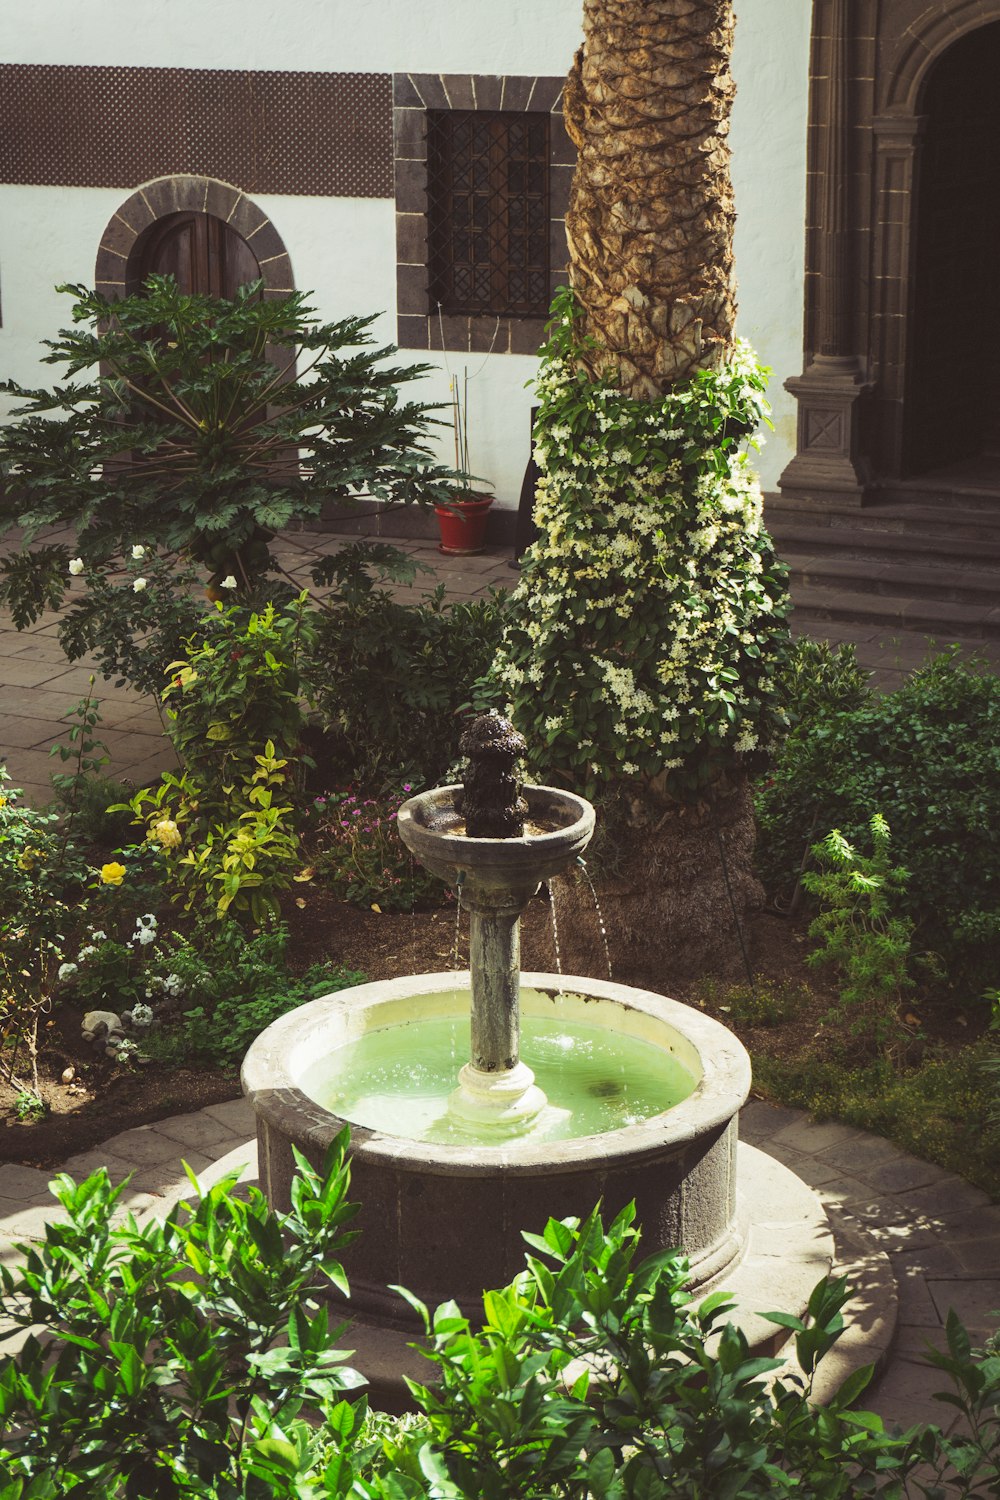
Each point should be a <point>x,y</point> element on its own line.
<point>953,395</point>
<point>202,253</point>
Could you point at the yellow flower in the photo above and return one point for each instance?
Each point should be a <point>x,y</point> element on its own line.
<point>113,874</point>
<point>167,832</point>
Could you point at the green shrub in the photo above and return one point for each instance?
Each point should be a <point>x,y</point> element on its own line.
<point>389,679</point>
<point>234,856</point>
<point>230,987</point>
<point>238,685</point>
<point>43,880</point>
<point>197,425</point>
<point>928,758</point>
<point>361,856</point>
<point>816,679</point>
<point>184,1351</point>
<point>859,933</point>
<point>765,1003</point>
<point>189,1358</point>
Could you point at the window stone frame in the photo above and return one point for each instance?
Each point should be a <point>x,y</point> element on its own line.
<point>413,94</point>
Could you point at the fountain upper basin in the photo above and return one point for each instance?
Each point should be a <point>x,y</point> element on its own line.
<point>446,1220</point>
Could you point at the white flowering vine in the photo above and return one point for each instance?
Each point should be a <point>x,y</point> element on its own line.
<point>651,610</point>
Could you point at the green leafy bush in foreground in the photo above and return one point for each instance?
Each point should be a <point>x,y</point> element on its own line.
<point>191,1358</point>
<point>927,757</point>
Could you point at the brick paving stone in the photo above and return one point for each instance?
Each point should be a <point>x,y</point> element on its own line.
<point>904,1173</point>
<point>236,1114</point>
<point>86,1162</point>
<point>843,1190</point>
<point>809,1136</point>
<point>143,1147</point>
<point>947,1198</point>
<point>760,1121</point>
<point>815,1172</point>
<point>904,1396</point>
<point>29,1223</point>
<point>169,1175</point>
<point>937,1259</point>
<point>916,1305</point>
<point>856,1156</point>
<point>26,672</point>
<point>981,1256</point>
<point>976,1301</point>
<point>24,1184</point>
<point>26,734</point>
<point>198,1130</point>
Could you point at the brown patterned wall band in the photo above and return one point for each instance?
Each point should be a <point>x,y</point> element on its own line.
<point>317,134</point>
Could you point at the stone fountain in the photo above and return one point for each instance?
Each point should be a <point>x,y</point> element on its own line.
<point>443,1202</point>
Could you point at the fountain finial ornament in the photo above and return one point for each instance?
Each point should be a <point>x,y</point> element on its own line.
<point>492,805</point>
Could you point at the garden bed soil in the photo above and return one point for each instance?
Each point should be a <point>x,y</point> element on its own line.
<point>102,1099</point>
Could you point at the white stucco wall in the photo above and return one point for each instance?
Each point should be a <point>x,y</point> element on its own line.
<point>344,249</point>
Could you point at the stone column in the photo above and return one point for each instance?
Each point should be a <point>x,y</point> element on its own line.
<point>828,464</point>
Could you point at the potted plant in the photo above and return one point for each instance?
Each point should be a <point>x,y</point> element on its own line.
<point>462,520</point>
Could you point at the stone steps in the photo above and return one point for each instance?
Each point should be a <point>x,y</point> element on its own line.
<point>941,619</point>
<point>902,566</point>
<point>902,578</point>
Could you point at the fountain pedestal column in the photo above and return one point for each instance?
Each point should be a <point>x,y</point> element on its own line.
<point>495,1087</point>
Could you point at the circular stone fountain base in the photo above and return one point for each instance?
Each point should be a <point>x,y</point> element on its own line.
<point>445,1221</point>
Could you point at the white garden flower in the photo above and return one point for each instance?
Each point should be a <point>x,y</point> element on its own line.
<point>138,585</point>
<point>76,566</point>
<point>138,551</point>
<point>229,582</point>
<point>87,951</point>
<point>141,1014</point>
<point>66,971</point>
<point>145,935</point>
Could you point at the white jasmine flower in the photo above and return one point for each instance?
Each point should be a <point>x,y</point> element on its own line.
<point>138,585</point>
<point>138,551</point>
<point>76,566</point>
<point>229,582</point>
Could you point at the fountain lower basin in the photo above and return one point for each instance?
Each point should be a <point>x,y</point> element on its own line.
<point>445,1220</point>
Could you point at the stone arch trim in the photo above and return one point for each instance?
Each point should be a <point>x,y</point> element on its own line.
<point>922,43</point>
<point>869,63</point>
<point>188,194</point>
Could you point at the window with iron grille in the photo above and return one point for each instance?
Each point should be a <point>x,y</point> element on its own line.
<point>488,212</point>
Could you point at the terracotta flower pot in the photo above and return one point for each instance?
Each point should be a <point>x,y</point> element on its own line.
<point>463,526</point>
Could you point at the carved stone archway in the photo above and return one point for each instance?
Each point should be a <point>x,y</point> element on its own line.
<point>870,60</point>
<point>186,194</point>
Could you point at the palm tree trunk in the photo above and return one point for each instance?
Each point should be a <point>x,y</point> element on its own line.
<point>650,220</point>
<point>650,232</point>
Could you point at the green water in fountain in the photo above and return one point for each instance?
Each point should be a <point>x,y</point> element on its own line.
<point>398,1079</point>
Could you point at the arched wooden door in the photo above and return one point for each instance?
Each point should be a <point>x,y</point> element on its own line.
<point>202,253</point>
